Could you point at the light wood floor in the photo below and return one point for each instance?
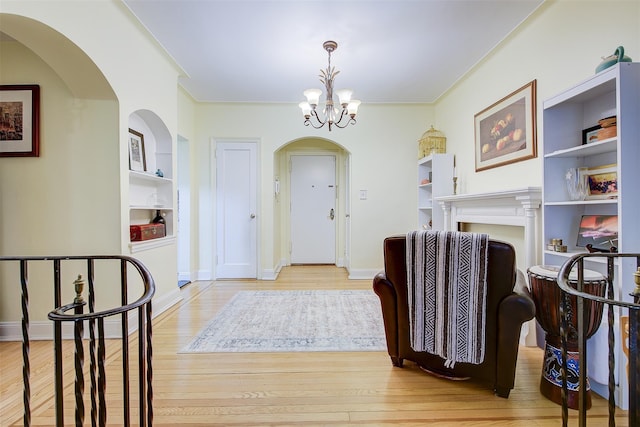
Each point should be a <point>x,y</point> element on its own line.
<point>291,389</point>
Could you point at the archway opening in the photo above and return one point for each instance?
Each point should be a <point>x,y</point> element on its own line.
<point>310,146</point>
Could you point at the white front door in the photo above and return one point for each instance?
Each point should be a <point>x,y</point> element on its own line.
<point>236,200</point>
<point>313,209</point>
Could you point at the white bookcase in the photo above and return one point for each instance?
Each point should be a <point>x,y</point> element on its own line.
<point>612,92</point>
<point>438,170</point>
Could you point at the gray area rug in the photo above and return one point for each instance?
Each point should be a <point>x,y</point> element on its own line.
<point>291,321</point>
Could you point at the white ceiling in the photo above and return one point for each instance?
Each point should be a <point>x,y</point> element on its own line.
<point>271,50</point>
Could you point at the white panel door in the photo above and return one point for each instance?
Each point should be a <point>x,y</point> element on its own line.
<point>313,209</point>
<point>236,196</point>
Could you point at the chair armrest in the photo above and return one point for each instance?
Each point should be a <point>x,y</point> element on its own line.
<point>389,302</point>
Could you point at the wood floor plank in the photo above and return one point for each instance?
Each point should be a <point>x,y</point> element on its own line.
<point>288,389</point>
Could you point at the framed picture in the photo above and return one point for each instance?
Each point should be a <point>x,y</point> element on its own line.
<point>505,132</point>
<point>601,231</point>
<point>590,135</point>
<point>137,159</point>
<point>602,182</point>
<point>19,120</point>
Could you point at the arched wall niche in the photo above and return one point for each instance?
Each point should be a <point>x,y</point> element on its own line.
<point>151,190</point>
<point>81,75</point>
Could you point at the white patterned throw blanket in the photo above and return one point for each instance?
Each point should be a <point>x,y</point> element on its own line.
<point>447,285</point>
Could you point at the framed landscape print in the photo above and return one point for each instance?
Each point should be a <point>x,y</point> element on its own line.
<point>505,132</point>
<point>19,120</point>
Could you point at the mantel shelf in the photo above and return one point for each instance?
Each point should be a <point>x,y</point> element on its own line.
<point>518,207</point>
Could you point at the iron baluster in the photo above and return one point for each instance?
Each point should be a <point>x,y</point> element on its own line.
<point>26,366</point>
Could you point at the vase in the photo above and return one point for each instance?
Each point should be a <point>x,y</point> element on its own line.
<point>576,183</point>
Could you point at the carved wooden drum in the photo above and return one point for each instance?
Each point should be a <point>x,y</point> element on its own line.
<point>547,297</point>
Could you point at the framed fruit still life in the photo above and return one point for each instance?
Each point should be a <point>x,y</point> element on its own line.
<point>505,132</point>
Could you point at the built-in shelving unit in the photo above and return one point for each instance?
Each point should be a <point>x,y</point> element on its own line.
<point>435,178</point>
<point>149,192</point>
<point>612,92</point>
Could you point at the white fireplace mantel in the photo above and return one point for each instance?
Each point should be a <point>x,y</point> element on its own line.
<point>519,207</point>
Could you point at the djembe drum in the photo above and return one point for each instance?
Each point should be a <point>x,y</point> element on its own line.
<point>547,296</point>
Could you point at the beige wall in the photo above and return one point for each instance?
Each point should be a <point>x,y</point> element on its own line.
<point>383,147</point>
<point>74,197</point>
<point>559,45</point>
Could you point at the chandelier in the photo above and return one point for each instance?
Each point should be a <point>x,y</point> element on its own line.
<point>332,116</point>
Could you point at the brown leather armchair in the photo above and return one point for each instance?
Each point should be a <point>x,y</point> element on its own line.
<point>507,309</point>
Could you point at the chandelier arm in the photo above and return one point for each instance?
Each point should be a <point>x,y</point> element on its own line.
<point>344,113</point>
<point>314,114</point>
<point>351,121</point>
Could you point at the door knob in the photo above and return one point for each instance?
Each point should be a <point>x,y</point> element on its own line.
<point>252,215</point>
<point>332,214</point>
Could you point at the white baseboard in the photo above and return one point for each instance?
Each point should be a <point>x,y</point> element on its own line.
<point>362,274</point>
<point>166,301</point>
<point>185,275</point>
<point>271,274</point>
<point>204,275</point>
<point>43,330</point>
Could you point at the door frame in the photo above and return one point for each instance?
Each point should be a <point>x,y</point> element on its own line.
<point>214,202</point>
<point>183,220</point>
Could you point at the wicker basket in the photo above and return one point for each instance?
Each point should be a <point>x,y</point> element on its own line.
<point>432,141</point>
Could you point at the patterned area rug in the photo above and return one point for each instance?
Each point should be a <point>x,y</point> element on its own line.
<point>290,321</point>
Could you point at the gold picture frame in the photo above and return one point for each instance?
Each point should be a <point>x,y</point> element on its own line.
<point>602,182</point>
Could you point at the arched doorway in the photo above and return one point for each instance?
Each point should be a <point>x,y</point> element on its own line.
<point>284,233</point>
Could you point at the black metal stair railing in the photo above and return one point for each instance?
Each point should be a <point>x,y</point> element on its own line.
<point>83,316</point>
<point>632,309</point>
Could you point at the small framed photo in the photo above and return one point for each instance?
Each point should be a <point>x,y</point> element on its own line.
<point>602,182</point>
<point>600,231</point>
<point>137,159</point>
<point>19,120</point>
<point>590,135</point>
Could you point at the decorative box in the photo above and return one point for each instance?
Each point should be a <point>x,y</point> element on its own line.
<point>143,232</point>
